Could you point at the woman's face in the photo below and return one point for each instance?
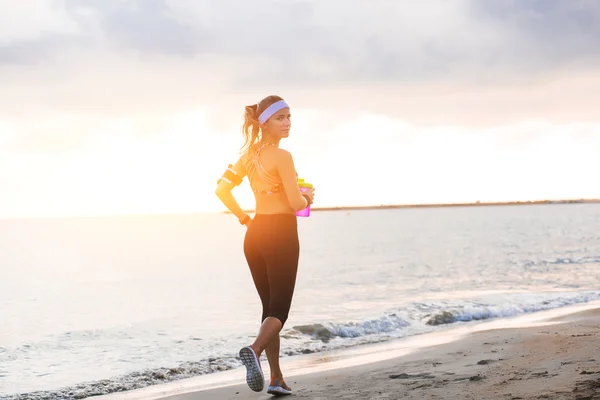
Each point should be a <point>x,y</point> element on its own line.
<point>279,124</point>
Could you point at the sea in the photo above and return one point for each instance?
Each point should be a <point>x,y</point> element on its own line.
<point>99,305</point>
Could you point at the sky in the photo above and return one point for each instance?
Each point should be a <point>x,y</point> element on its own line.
<point>135,106</point>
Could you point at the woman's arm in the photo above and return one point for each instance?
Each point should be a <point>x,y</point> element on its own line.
<point>225,186</point>
<point>289,178</point>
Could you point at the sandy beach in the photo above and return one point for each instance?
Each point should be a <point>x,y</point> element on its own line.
<point>559,359</point>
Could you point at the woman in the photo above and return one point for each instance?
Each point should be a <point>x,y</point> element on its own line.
<point>271,243</point>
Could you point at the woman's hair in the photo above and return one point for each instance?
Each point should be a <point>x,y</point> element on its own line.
<point>251,127</point>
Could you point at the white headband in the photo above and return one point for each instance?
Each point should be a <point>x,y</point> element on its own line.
<point>272,109</point>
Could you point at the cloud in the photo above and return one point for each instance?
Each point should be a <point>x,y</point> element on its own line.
<point>328,42</point>
<point>147,26</point>
<point>545,33</point>
<point>442,61</point>
<point>32,31</point>
<point>300,42</point>
<point>36,51</point>
<point>33,19</point>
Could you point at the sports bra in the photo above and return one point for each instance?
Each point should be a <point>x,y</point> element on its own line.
<point>254,167</point>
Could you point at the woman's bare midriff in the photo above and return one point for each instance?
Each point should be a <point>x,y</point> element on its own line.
<point>276,203</point>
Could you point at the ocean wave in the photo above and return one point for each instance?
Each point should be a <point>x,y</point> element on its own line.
<point>515,305</point>
<point>134,380</point>
<point>569,261</point>
<point>558,261</point>
<point>444,313</point>
<point>384,324</point>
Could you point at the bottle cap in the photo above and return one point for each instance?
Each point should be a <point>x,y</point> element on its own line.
<point>301,183</point>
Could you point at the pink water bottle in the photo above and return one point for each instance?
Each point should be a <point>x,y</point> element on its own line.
<point>304,186</point>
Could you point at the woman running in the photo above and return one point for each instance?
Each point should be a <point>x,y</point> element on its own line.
<point>271,243</point>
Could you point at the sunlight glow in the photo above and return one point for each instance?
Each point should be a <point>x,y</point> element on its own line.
<point>170,164</point>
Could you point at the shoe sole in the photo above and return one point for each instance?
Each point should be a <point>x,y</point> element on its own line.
<point>278,391</point>
<point>254,376</point>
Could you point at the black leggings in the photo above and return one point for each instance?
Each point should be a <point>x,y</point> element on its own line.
<point>272,250</point>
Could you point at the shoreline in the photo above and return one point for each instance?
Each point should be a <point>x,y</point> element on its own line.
<point>446,205</point>
<point>331,373</point>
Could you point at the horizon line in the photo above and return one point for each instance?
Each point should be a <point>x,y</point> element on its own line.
<point>442,205</point>
<point>334,208</point>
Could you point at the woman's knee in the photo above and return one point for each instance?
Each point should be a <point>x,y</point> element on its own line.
<point>281,317</point>
<point>280,313</point>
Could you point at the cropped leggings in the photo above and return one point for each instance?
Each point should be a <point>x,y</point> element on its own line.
<point>272,250</point>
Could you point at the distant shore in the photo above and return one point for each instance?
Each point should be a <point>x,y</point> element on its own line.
<point>440,205</point>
